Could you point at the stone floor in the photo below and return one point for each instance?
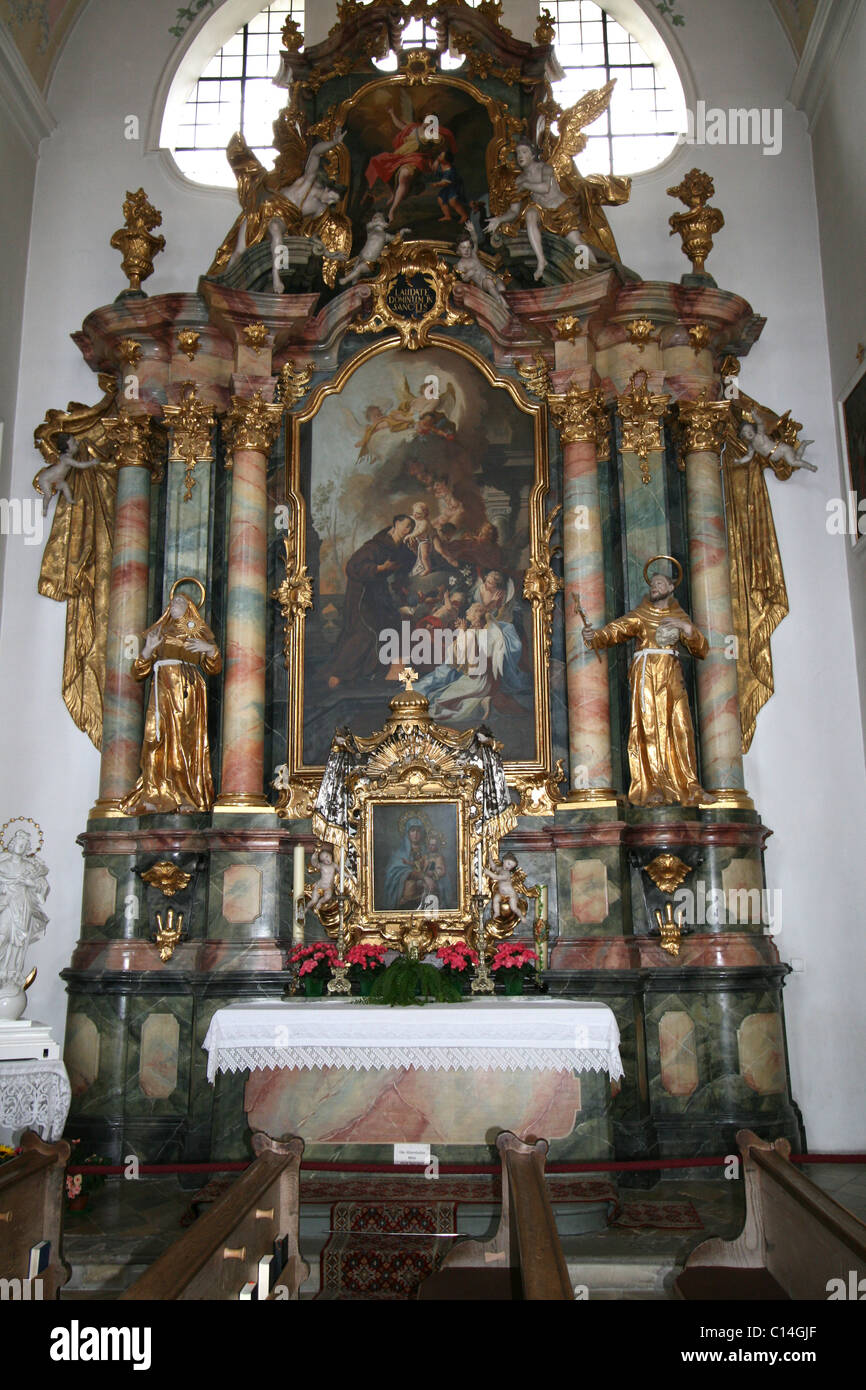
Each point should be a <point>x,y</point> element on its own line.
<point>129,1224</point>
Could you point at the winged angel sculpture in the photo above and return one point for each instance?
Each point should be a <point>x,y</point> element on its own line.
<point>295,198</point>
<point>546,190</point>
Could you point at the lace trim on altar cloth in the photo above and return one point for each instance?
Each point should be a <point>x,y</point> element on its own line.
<point>34,1099</point>
<point>425,1058</point>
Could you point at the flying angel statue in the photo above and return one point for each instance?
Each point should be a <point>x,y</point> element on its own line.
<point>547,191</point>
<point>294,198</point>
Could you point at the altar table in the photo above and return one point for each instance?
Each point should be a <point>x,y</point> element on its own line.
<point>34,1094</point>
<point>342,1073</point>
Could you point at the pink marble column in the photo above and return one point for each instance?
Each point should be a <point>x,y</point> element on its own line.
<point>703,425</point>
<point>123,697</point>
<point>253,424</point>
<point>582,421</point>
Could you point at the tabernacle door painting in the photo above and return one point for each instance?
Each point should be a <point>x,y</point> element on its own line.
<point>420,483</point>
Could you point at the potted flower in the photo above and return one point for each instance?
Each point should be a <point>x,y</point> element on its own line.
<point>366,962</point>
<point>314,965</point>
<point>7,1153</point>
<point>458,961</point>
<point>512,962</point>
<point>81,1186</point>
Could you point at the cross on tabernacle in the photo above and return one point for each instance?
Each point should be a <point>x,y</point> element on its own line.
<point>407,676</point>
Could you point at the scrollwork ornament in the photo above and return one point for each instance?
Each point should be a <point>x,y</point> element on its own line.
<point>642,413</point>
<point>541,584</point>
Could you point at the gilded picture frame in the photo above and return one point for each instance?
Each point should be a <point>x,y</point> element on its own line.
<point>525,731</point>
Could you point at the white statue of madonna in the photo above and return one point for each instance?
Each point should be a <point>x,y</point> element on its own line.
<point>23,890</point>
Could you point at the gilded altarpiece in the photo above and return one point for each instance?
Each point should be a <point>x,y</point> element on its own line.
<point>417,412</point>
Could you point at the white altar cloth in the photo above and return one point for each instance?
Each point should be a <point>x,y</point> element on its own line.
<point>34,1094</point>
<point>482,1034</point>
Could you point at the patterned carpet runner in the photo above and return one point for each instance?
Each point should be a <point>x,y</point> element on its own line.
<point>384,1250</point>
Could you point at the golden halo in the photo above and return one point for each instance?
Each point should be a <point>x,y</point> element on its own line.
<point>673,561</point>
<point>414,813</point>
<point>187,579</point>
<point>28,820</point>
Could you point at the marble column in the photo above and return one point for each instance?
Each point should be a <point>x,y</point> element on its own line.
<point>123,697</point>
<point>703,426</point>
<point>252,425</point>
<point>642,415</point>
<point>189,498</point>
<point>582,421</point>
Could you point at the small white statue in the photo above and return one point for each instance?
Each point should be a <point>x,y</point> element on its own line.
<point>473,272</point>
<point>322,859</point>
<point>23,889</point>
<point>378,237</point>
<point>501,873</point>
<point>757,441</point>
<point>52,478</point>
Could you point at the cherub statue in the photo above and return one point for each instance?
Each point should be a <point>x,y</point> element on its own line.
<point>293,198</point>
<point>323,861</point>
<point>378,237</point>
<point>546,190</point>
<point>471,270</point>
<point>758,441</point>
<point>53,477</point>
<point>507,879</point>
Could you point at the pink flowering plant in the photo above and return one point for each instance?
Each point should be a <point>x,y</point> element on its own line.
<point>365,959</point>
<point>458,960</point>
<point>314,962</point>
<point>512,958</point>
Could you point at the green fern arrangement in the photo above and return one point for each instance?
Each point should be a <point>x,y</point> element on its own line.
<point>408,981</point>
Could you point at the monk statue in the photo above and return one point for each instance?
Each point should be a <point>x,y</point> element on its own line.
<point>661,740</point>
<point>178,650</point>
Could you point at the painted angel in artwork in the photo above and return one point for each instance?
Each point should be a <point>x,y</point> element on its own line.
<point>546,191</point>
<point>295,198</point>
<point>406,414</point>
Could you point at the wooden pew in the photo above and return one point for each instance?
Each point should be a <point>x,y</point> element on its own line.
<point>31,1210</point>
<point>794,1241</point>
<point>524,1260</point>
<point>220,1252</point>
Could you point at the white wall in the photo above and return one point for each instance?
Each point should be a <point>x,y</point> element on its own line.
<point>840,181</point>
<point>806,767</point>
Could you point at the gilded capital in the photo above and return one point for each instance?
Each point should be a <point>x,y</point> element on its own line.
<point>576,414</point>
<point>191,424</point>
<point>642,413</point>
<point>703,425</point>
<point>253,423</point>
<point>132,440</point>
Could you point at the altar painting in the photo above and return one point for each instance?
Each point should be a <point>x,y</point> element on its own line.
<point>422,485</point>
<point>417,156</point>
<point>416,857</point>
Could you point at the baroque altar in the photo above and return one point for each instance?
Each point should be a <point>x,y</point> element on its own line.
<point>417,412</point>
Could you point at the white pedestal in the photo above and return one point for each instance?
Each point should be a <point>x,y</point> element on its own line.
<point>22,1039</point>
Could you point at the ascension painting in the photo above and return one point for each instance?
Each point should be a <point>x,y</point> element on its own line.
<point>420,480</point>
<point>416,857</point>
<point>417,156</point>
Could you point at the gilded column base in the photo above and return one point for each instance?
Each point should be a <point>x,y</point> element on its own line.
<point>591,796</point>
<point>734,797</point>
<point>239,802</point>
<point>105,808</point>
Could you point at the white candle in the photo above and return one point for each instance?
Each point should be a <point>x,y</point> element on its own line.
<point>478,866</point>
<point>342,869</point>
<point>298,867</point>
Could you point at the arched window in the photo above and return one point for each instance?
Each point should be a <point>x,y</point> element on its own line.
<point>234,92</point>
<point>647,108</point>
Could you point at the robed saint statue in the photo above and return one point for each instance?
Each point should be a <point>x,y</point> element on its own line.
<point>661,740</point>
<point>178,651</point>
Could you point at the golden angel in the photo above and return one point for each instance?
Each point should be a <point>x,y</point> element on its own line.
<point>547,191</point>
<point>178,651</point>
<point>661,739</point>
<point>295,198</point>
